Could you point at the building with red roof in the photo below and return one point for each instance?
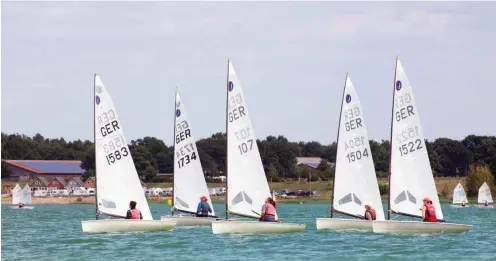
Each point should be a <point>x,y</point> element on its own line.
<point>28,170</point>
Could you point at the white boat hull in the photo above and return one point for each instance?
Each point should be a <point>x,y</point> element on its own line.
<point>255,227</point>
<point>417,227</point>
<point>126,225</point>
<point>484,206</point>
<point>25,207</point>
<point>343,224</point>
<point>459,206</point>
<point>189,221</point>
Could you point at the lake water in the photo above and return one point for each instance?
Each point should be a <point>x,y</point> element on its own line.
<point>53,232</point>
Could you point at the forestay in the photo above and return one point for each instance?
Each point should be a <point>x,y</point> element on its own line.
<point>355,178</point>
<point>117,180</point>
<point>459,195</point>
<point>484,194</point>
<point>189,182</point>
<point>411,174</point>
<point>247,184</point>
<point>26,195</point>
<point>16,194</point>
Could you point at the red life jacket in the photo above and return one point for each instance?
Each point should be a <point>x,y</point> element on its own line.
<point>372,213</point>
<point>430,213</point>
<point>135,214</point>
<point>269,209</point>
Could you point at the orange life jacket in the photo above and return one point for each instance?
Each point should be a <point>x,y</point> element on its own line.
<point>135,214</point>
<point>269,209</point>
<point>372,213</point>
<point>430,213</point>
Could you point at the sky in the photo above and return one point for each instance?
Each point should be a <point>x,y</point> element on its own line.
<point>290,57</point>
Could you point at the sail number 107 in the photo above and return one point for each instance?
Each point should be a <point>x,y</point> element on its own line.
<point>245,146</point>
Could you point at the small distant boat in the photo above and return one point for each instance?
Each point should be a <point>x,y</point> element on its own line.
<point>21,196</point>
<point>459,197</point>
<point>485,196</point>
<point>247,186</point>
<point>188,181</point>
<point>117,181</point>
<point>410,173</point>
<point>355,180</point>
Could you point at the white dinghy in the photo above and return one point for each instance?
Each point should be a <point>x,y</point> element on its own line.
<point>247,186</point>
<point>410,174</point>
<point>355,181</point>
<point>459,197</point>
<point>485,196</point>
<point>189,182</point>
<point>21,196</point>
<point>117,181</point>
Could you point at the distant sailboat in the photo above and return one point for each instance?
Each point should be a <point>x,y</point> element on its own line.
<point>485,196</point>
<point>247,186</point>
<point>189,181</point>
<point>21,196</point>
<point>117,181</point>
<point>355,181</point>
<point>410,174</point>
<point>459,197</point>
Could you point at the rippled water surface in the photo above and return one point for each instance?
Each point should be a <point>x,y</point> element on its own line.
<point>53,232</point>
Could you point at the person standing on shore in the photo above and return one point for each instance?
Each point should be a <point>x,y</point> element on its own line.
<point>133,212</point>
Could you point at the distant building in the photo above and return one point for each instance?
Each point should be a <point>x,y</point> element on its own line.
<point>27,170</point>
<point>310,162</point>
<point>57,183</point>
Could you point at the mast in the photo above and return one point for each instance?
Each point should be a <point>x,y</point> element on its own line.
<point>337,145</point>
<point>391,142</point>
<point>97,216</point>
<point>174,147</point>
<point>227,140</point>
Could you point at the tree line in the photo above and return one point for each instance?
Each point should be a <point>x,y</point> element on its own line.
<point>448,157</point>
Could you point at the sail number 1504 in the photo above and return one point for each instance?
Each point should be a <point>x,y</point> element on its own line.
<point>357,155</point>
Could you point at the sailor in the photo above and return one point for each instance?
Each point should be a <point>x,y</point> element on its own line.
<point>20,205</point>
<point>486,204</point>
<point>269,211</point>
<point>369,212</point>
<point>133,212</point>
<point>463,203</point>
<point>428,211</point>
<point>203,208</point>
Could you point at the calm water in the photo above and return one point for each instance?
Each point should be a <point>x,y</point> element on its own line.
<point>53,232</point>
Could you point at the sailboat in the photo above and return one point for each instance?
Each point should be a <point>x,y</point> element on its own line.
<point>247,186</point>
<point>21,196</point>
<point>117,181</point>
<point>410,173</point>
<point>355,182</point>
<point>189,182</point>
<point>485,196</point>
<point>459,197</point>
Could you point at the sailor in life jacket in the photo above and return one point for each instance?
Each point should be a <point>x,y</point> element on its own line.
<point>486,204</point>
<point>268,213</point>
<point>463,203</point>
<point>369,213</point>
<point>133,212</point>
<point>203,208</point>
<point>428,211</point>
<point>20,205</point>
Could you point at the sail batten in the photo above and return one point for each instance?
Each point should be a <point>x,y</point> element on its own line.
<point>247,185</point>
<point>411,178</point>
<point>355,181</point>
<point>117,179</point>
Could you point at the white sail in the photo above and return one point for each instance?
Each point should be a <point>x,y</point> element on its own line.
<point>16,194</point>
<point>459,195</point>
<point>355,178</point>
<point>411,174</point>
<point>247,185</point>
<point>116,176</point>
<point>484,194</point>
<point>26,195</point>
<point>189,182</point>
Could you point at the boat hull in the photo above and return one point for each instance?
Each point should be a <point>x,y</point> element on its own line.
<point>483,206</point>
<point>417,227</point>
<point>343,224</point>
<point>459,206</point>
<point>255,227</point>
<point>25,207</point>
<point>126,225</point>
<point>189,221</point>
